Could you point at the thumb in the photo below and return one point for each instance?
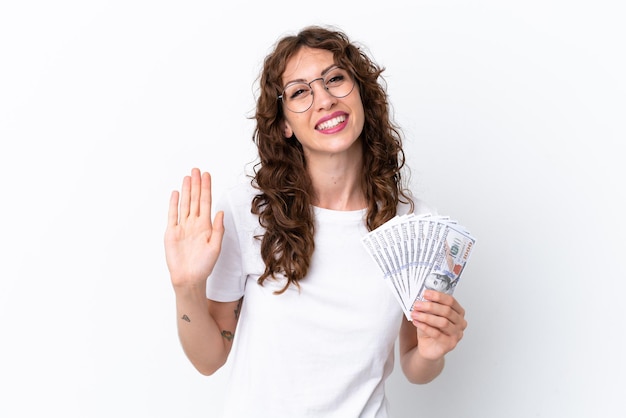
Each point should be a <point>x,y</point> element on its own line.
<point>217,233</point>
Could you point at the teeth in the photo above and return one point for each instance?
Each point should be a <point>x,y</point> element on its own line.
<point>331,123</point>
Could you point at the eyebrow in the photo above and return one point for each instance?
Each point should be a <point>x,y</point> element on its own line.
<point>302,80</point>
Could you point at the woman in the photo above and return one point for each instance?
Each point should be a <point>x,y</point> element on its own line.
<point>279,283</point>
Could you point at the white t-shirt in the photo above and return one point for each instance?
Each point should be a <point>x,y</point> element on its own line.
<point>322,351</point>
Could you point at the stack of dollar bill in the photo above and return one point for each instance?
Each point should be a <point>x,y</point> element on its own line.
<point>418,252</point>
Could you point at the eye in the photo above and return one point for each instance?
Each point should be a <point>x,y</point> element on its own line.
<point>337,77</point>
<point>298,91</point>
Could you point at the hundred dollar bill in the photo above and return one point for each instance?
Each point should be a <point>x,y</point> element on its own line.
<point>450,254</point>
<point>379,250</point>
<point>416,252</point>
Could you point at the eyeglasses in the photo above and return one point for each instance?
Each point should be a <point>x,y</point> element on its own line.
<point>298,96</point>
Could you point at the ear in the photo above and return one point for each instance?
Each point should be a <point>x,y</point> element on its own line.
<point>287,131</point>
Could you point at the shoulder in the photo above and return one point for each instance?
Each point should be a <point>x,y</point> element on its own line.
<point>421,207</point>
<point>237,195</point>
<point>236,203</point>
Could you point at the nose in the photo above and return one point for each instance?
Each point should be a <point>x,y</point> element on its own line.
<point>322,97</point>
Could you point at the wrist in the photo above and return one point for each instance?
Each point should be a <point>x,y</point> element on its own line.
<point>190,291</point>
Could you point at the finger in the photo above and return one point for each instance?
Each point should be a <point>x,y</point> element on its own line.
<point>184,198</point>
<point>217,233</point>
<point>438,328</point>
<point>444,299</point>
<point>438,313</point>
<point>205,197</point>
<point>442,317</point>
<point>426,330</point>
<point>440,323</point>
<point>172,213</point>
<point>444,342</point>
<point>194,205</point>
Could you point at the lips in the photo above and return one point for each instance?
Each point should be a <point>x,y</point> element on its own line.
<point>331,123</point>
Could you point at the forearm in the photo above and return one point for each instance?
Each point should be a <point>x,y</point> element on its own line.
<point>436,326</point>
<point>418,369</point>
<point>198,331</point>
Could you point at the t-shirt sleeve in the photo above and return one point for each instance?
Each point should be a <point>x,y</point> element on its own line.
<point>421,208</point>
<point>227,281</point>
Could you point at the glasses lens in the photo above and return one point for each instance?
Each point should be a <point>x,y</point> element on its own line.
<point>298,97</point>
<point>338,83</point>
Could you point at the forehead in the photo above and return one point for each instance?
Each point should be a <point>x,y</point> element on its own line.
<point>306,64</point>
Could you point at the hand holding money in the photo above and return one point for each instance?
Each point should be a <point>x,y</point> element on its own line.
<point>419,252</point>
<point>440,322</point>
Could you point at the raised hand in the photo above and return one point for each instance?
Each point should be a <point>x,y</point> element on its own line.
<point>440,323</point>
<point>192,241</point>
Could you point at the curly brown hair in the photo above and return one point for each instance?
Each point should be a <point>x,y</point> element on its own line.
<point>284,204</point>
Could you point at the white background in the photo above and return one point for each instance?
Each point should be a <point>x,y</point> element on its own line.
<point>514,114</point>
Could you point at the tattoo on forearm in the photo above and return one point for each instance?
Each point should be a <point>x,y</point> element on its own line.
<point>185,318</point>
<point>228,335</point>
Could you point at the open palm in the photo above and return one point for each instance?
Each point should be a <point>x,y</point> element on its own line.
<point>192,241</point>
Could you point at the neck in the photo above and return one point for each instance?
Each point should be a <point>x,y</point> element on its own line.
<point>337,184</point>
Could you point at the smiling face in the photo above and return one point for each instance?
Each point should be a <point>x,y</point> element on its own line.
<point>331,125</point>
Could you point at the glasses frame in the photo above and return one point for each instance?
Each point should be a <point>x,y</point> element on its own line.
<point>280,96</point>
